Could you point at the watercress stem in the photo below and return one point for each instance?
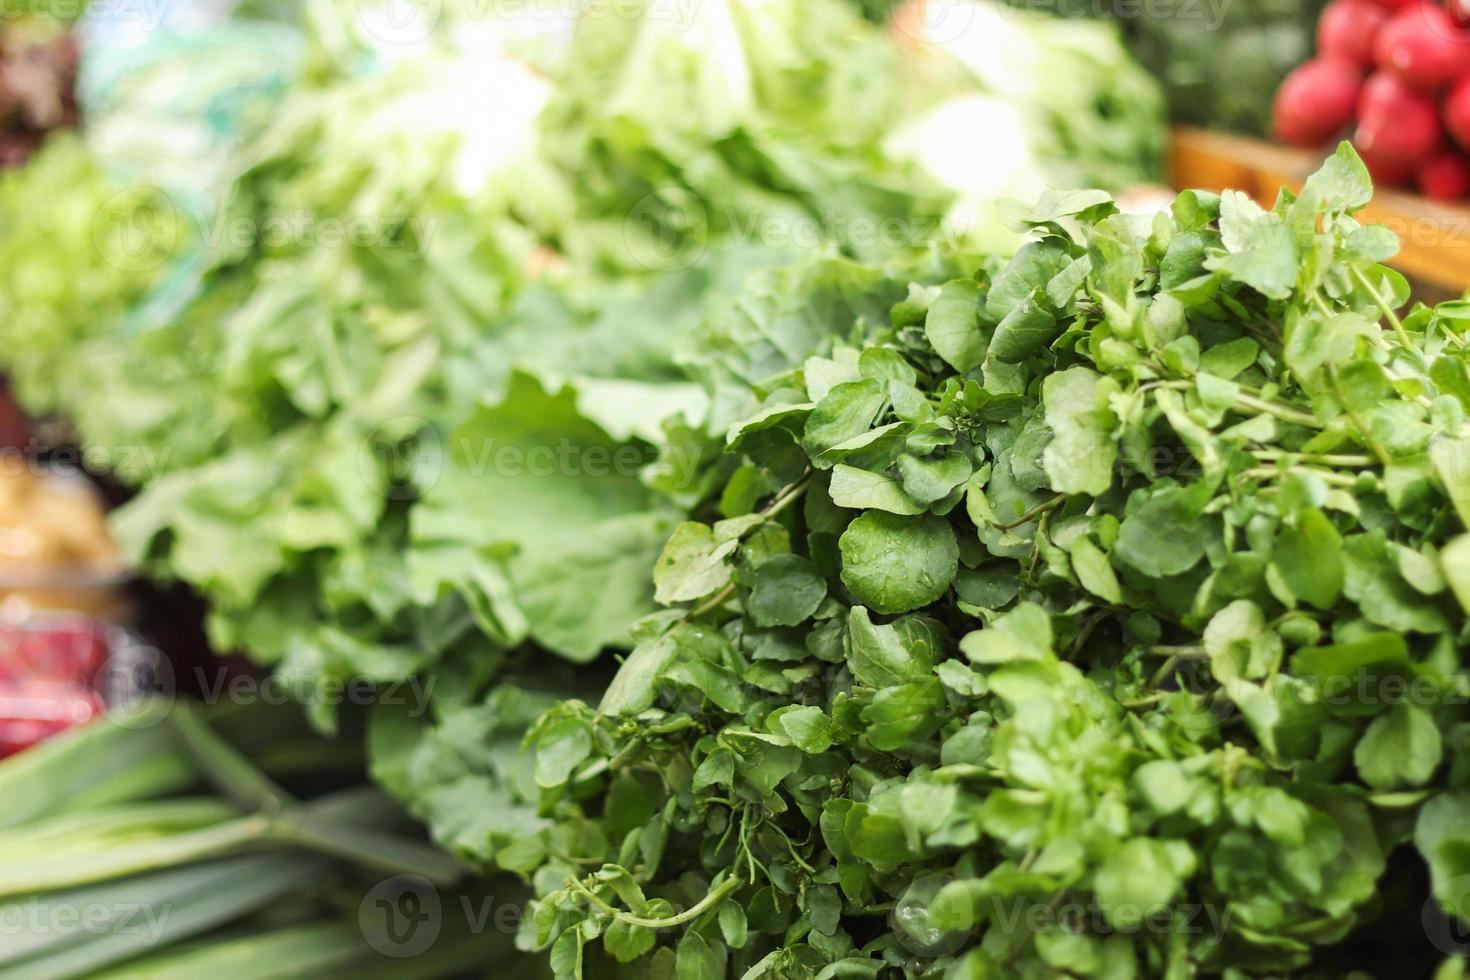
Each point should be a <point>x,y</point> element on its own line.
<point>1394,322</point>
<point>715,897</point>
<point>1321,459</point>
<point>1033,513</point>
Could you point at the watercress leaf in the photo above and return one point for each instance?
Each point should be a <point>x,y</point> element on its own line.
<point>1032,268</point>
<point>1239,644</point>
<point>1400,748</point>
<point>1261,251</point>
<point>808,728</point>
<point>560,748</point>
<point>877,654</point>
<point>733,926</point>
<point>1163,532</point>
<point>847,411</point>
<point>1024,633</point>
<point>1027,328</point>
<point>1372,580</point>
<point>1082,452</point>
<point>932,479</point>
<point>1139,876</point>
<point>1309,557</point>
<point>627,943</point>
<point>1343,182</point>
<point>697,960</point>
<point>866,490</point>
<point>693,564</point>
<point>1095,571</point>
<point>1229,359</point>
<point>953,325</point>
<point>895,564</point>
<point>1454,560</point>
<point>787,591</point>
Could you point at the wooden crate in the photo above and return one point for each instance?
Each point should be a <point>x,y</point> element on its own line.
<point>1435,236</point>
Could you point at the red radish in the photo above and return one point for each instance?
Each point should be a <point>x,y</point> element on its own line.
<point>1457,112</point>
<point>1395,5</point>
<point>1317,100</point>
<point>1424,47</point>
<point>1395,122</point>
<point>1348,28</point>
<point>1386,171</point>
<point>1445,176</point>
<point>1459,11</point>
<point>33,710</point>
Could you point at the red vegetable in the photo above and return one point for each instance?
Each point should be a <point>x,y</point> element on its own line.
<point>1395,5</point>
<point>1348,29</point>
<point>1459,11</point>
<point>1386,171</point>
<point>1395,122</point>
<point>1445,176</point>
<point>1424,47</point>
<point>1317,100</point>
<point>1457,112</point>
<point>31,711</point>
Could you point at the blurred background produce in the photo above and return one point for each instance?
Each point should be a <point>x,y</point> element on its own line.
<point>1028,102</point>
<point>1396,76</point>
<point>65,649</point>
<point>38,65</point>
<point>1219,63</point>
<point>179,836</point>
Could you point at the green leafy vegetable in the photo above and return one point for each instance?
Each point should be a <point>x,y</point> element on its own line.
<point>1154,620</point>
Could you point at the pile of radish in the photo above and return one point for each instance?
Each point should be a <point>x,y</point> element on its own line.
<point>1398,73</point>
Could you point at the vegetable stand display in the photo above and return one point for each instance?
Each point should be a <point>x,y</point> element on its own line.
<point>676,497</point>
<point>1434,235</point>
